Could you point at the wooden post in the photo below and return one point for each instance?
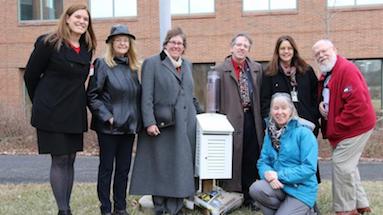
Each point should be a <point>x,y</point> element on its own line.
<point>207,186</point>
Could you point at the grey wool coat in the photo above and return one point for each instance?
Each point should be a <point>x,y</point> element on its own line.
<point>230,105</point>
<point>164,164</point>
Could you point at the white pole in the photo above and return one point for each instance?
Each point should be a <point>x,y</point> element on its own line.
<point>165,19</point>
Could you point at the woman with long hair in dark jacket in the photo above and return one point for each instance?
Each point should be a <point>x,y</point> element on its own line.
<point>114,96</point>
<point>55,79</point>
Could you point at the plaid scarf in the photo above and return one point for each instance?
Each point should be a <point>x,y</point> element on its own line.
<point>290,73</point>
<point>275,134</point>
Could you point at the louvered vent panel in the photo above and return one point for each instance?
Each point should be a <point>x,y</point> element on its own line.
<point>216,155</point>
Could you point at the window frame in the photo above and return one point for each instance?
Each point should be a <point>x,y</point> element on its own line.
<point>354,5</point>
<point>381,76</point>
<point>270,10</point>
<point>113,11</point>
<point>41,15</point>
<point>192,14</point>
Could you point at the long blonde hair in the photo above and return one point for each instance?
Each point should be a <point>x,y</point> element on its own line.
<point>62,33</point>
<point>133,61</point>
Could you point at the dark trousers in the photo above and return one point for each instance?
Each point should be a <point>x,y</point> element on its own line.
<point>316,132</point>
<point>250,155</point>
<point>114,149</point>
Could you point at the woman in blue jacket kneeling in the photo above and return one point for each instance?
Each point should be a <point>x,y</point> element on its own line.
<point>288,162</point>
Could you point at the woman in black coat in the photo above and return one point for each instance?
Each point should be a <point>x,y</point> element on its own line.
<point>114,97</point>
<point>289,73</point>
<point>54,76</point>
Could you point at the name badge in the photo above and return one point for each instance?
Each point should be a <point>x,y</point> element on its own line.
<point>294,96</point>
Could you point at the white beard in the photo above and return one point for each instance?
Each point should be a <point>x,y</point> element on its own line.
<point>327,67</point>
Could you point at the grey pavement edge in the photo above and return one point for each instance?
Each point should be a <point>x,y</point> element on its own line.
<point>16,169</point>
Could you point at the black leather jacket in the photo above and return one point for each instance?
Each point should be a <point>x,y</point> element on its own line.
<point>114,92</point>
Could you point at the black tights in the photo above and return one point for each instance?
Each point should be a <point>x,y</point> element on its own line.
<point>61,178</point>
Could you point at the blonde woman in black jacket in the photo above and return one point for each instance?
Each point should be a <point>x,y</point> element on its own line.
<point>114,96</point>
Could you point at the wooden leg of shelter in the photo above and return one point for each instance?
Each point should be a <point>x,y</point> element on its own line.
<point>207,186</point>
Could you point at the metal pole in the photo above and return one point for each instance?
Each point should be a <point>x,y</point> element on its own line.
<point>165,19</point>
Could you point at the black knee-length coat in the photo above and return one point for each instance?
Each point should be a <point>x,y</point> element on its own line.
<point>55,83</point>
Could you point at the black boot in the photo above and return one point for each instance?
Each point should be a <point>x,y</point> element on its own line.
<point>65,212</point>
<point>120,212</point>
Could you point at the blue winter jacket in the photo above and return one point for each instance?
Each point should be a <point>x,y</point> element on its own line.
<point>295,163</point>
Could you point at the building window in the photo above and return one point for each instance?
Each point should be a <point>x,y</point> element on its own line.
<point>352,3</point>
<point>372,72</point>
<point>268,5</point>
<point>113,8</point>
<point>40,9</point>
<point>189,7</point>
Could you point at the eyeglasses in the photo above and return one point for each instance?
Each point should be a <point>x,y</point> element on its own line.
<point>121,41</point>
<point>322,51</point>
<point>176,43</point>
<point>246,46</point>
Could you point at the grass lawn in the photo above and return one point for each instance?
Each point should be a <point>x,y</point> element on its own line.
<point>37,199</point>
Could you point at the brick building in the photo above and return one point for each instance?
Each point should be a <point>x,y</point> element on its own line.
<point>354,26</point>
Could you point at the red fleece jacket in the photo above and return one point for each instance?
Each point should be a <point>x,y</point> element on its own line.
<point>350,108</point>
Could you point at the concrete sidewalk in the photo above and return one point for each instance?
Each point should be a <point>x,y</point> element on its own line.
<point>35,169</point>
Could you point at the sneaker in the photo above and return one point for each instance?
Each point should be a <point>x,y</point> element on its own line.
<point>146,201</point>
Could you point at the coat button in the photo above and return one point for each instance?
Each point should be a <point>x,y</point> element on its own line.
<point>162,124</point>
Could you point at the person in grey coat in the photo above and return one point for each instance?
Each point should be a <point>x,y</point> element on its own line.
<point>164,163</point>
<point>114,97</point>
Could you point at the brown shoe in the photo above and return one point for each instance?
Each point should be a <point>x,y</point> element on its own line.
<point>353,212</point>
<point>364,210</point>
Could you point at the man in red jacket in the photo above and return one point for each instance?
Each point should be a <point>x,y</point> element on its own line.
<point>349,119</point>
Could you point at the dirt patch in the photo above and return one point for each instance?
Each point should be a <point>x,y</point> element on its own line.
<point>27,145</point>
